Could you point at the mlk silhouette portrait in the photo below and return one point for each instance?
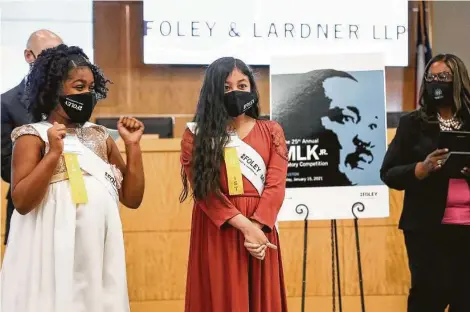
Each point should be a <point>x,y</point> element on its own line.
<point>334,126</point>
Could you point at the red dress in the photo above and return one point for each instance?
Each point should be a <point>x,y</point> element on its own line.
<point>222,275</point>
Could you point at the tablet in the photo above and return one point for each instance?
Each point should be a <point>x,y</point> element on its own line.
<point>455,163</point>
<point>455,141</point>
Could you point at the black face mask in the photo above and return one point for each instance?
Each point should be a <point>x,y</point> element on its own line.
<point>238,102</point>
<point>78,106</point>
<point>439,93</point>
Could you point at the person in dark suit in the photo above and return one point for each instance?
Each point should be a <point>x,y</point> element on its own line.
<point>14,112</point>
<point>436,210</point>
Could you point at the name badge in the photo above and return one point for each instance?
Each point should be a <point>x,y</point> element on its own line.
<point>234,173</point>
<point>77,183</point>
<point>72,145</point>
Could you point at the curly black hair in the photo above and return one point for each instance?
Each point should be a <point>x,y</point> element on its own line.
<point>212,121</point>
<point>49,71</point>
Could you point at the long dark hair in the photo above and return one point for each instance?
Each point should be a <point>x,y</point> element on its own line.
<point>212,121</point>
<point>49,71</point>
<point>461,86</point>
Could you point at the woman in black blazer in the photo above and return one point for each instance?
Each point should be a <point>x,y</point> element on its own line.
<point>436,210</point>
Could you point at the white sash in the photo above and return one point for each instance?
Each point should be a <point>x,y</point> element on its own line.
<point>251,163</point>
<point>88,160</point>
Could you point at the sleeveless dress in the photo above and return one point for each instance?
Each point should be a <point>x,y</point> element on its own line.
<point>63,257</point>
<point>222,275</point>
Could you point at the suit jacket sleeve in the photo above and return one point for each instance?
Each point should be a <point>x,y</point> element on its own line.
<point>7,145</point>
<point>275,184</point>
<point>218,209</point>
<point>397,171</point>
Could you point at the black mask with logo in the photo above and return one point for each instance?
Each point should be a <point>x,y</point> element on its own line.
<point>239,102</point>
<point>439,93</point>
<point>78,106</point>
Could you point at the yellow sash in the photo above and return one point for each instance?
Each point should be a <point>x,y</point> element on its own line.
<point>234,173</point>
<point>77,183</point>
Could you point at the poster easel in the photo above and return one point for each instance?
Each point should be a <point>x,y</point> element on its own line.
<point>358,207</point>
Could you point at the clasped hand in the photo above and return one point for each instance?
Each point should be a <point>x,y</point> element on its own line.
<point>256,241</point>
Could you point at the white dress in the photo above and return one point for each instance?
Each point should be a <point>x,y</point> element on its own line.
<point>63,257</point>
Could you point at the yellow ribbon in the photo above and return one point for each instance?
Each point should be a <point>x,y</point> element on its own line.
<point>77,183</point>
<point>234,172</point>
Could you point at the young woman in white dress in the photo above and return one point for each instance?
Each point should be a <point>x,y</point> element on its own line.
<point>65,251</point>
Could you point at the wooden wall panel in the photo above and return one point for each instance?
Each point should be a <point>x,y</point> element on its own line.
<point>157,264</point>
<point>157,306</point>
<point>156,235</point>
<point>162,210</point>
<point>159,89</point>
<point>351,303</point>
<point>139,88</point>
<point>384,261</point>
<point>318,261</point>
<point>180,125</point>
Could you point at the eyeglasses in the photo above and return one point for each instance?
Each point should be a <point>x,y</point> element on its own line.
<point>442,77</point>
<point>34,55</point>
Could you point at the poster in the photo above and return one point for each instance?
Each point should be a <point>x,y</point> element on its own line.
<point>333,112</point>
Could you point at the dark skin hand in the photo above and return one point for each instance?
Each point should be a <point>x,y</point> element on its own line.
<point>31,171</point>
<point>432,163</point>
<point>133,185</point>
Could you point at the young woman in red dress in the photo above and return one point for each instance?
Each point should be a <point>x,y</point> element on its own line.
<point>234,258</point>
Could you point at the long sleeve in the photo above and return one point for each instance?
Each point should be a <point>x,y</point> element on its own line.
<point>397,171</point>
<point>275,184</point>
<point>219,209</point>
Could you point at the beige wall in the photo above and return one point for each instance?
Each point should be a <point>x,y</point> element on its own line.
<point>451,28</point>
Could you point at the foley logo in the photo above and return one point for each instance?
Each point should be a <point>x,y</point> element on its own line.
<point>369,194</point>
<point>111,179</point>
<point>248,105</point>
<point>75,105</point>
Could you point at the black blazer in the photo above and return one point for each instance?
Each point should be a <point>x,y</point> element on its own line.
<point>14,113</point>
<point>425,200</point>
